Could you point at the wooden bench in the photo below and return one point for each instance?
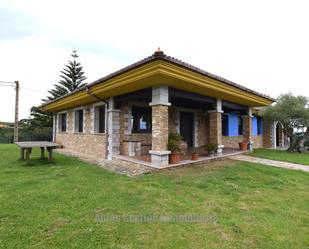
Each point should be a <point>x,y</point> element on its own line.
<point>28,146</point>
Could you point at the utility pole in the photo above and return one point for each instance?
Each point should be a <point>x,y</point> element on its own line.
<point>16,111</point>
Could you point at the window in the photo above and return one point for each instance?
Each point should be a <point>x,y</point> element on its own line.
<point>225,125</point>
<point>62,122</point>
<point>141,119</point>
<point>79,120</point>
<point>233,124</point>
<point>99,119</point>
<point>254,126</point>
<point>240,125</point>
<point>259,126</point>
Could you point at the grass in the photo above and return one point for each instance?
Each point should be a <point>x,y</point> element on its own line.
<point>281,155</point>
<point>55,205</point>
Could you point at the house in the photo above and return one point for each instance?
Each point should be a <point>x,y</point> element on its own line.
<point>131,112</point>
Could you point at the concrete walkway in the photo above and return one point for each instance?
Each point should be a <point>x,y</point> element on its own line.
<point>269,162</point>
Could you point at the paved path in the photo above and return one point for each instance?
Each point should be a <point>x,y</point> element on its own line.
<point>269,162</point>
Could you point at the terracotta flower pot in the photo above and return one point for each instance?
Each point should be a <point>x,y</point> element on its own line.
<point>243,146</point>
<point>195,156</point>
<point>174,157</point>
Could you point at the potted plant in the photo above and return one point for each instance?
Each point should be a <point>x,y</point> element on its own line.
<point>210,149</point>
<point>243,146</point>
<point>194,155</point>
<point>174,145</point>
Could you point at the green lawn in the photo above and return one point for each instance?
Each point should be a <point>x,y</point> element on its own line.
<point>280,155</point>
<point>55,205</point>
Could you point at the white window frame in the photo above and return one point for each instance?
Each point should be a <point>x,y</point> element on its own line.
<point>58,119</point>
<point>74,128</point>
<point>93,117</point>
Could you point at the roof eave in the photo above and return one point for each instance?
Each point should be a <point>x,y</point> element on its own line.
<point>159,56</point>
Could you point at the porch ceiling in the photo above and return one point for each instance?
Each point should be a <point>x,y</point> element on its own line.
<point>158,72</point>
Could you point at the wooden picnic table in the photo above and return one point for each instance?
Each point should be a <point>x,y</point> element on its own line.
<point>28,146</point>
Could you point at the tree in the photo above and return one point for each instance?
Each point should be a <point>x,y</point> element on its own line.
<point>71,78</point>
<point>293,113</point>
<point>40,118</point>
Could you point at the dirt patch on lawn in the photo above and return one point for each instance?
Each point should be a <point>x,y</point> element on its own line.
<point>58,224</point>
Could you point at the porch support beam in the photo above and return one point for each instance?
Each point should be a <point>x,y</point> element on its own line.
<point>113,127</point>
<point>219,105</point>
<point>275,135</point>
<point>247,119</point>
<point>215,126</point>
<point>159,153</point>
<point>55,122</point>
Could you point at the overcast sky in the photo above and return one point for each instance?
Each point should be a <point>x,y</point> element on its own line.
<point>263,45</point>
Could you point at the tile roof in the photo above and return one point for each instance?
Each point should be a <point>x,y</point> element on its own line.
<point>159,55</point>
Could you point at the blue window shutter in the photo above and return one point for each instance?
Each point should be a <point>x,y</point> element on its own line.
<point>254,126</point>
<point>233,124</point>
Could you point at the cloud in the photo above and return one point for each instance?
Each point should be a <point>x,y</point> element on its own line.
<point>262,45</point>
<point>15,25</point>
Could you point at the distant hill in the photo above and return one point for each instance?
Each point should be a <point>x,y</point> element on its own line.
<point>6,124</point>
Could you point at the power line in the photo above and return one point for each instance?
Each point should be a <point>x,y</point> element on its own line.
<point>7,85</point>
<point>33,90</point>
<point>25,88</point>
<point>7,82</point>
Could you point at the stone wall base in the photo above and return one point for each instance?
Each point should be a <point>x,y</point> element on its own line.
<point>132,148</point>
<point>88,144</point>
<point>257,141</point>
<point>159,158</point>
<point>233,141</point>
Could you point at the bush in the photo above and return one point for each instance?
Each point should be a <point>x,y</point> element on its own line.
<point>27,134</point>
<point>6,135</point>
<point>36,134</point>
<point>210,148</point>
<point>174,142</point>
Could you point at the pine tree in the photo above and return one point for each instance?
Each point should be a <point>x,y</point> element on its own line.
<point>72,78</point>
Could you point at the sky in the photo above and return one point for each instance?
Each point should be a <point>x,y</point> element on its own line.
<point>263,45</point>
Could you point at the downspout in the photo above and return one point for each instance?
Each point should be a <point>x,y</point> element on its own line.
<point>107,105</point>
<point>95,96</point>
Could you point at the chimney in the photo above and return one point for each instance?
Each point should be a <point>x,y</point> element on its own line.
<point>158,53</point>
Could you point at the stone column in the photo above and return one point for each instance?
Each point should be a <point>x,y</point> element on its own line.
<point>274,135</point>
<point>215,126</point>
<point>215,129</point>
<point>248,129</point>
<point>280,135</point>
<point>267,134</point>
<point>159,153</point>
<point>55,124</point>
<point>113,127</point>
